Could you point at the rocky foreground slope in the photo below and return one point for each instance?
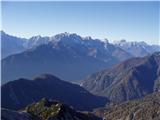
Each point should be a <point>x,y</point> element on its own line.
<point>147,108</point>
<point>47,110</point>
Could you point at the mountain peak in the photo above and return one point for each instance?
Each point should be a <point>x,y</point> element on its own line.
<point>2,32</point>
<point>87,38</point>
<point>44,102</point>
<point>65,34</point>
<point>51,108</point>
<point>36,37</point>
<point>123,40</point>
<point>46,77</point>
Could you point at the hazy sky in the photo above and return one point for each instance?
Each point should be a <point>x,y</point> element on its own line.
<point>133,21</point>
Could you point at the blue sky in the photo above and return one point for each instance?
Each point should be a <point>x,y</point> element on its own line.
<point>133,21</point>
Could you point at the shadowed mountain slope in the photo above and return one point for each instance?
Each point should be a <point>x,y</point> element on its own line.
<point>19,93</point>
<point>128,80</point>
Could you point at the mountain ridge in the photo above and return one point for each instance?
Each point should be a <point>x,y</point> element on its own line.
<point>137,49</point>
<point>19,93</point>
<point>142,49</point>
<point>68,57</point>
<point>126,80</point>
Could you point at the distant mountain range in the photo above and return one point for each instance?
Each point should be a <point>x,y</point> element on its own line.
<point>19,93</point>
<point>68,56</point>
<point>47,110</point>
<point>133,78</point>
<point>137,49</point>
<point>146,108</point>
<point>12,45</point>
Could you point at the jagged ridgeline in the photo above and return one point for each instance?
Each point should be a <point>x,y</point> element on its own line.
<point>68,56</point>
